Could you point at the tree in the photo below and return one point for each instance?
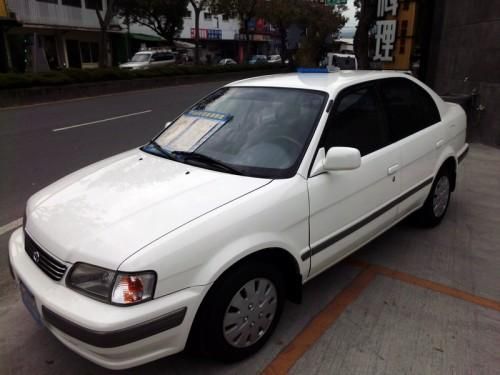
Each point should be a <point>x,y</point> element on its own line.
<point>164,17</point>
<point>366,15</point>
<point>321,23</point>
<point>245,10</point>
<point>281,14</point>
<point>198,6</point>
<point>104,22</point>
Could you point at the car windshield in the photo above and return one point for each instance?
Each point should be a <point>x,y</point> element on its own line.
<point>141,57</point>
<point>260,132</point>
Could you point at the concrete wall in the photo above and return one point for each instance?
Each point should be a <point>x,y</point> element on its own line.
<point>467,58</point>
<point>39,13</point>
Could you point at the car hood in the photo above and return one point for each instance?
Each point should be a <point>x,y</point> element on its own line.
<point>104,213</point>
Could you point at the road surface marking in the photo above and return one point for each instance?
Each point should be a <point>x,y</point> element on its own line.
<point>11,226</point>
<point>100,121</point>
<point>427,284</point>
<point>320,323</point>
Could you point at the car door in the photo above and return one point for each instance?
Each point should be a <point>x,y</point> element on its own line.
<point>414,124</point>
<point>347,208</point>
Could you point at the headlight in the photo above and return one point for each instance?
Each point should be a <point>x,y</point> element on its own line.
<point>110,286</point>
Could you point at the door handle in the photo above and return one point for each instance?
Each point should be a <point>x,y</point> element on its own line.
<point>393,169</point>
<point>439,143</point>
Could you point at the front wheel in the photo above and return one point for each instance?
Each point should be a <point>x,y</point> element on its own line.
<point>240,312</point>
<point>436,204</point>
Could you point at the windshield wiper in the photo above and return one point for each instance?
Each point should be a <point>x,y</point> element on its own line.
<point>207,160</point>
<point>162,151</point>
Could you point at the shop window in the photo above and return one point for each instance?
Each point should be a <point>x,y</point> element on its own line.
<point>90,52</point>
<point>93,4</point>
<point>72,3</point>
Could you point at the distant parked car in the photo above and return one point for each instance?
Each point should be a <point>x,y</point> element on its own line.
<point>258,59</point>
<point>227,62</point>
<point>342,61</point>
<point>274,59</point>
<point>149,60</point>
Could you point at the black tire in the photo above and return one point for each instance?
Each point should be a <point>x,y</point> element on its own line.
<point>207,336</point>
<point>427,216</point>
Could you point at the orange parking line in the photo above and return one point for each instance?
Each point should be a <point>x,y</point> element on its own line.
<point>427,284</point>
<point>320,323</point>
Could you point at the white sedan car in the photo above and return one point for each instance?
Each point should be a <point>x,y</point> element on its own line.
<point>201,235</point>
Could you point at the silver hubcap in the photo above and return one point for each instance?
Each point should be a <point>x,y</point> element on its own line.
<point>250,313</point>
<point>441,193</point>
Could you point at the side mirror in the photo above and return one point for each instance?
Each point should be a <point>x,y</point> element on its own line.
<point>167,124</point>
<point>337,159</point>
<point>342,159</point>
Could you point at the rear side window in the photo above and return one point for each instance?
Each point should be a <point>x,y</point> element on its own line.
<point>409,107</point>
<point>357,121</point>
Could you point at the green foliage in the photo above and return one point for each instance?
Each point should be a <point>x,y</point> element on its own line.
<point>321,23</point>
<point>75,76</point>
<point>165,17</point>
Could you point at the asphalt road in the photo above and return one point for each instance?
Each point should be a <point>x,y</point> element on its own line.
<point>33,155</point>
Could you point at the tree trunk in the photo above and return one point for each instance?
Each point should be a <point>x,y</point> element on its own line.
<point>197,12</point>
<point>361,41</point>
<point>247,37</point>
<point>283,37</point>
<point>103,48</point>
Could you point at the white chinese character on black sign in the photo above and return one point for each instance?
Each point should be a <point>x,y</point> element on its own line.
<point>385,6</point>
<point>385,37</point>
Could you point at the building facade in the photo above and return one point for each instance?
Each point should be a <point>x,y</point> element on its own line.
<point>55,34</point>
<point>222,37</point>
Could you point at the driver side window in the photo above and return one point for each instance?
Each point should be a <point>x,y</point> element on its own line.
<point>357,121</point>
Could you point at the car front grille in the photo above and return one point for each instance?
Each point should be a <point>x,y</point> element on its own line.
<point>52,267</point>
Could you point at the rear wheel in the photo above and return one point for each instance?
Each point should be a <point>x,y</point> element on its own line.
<point>436,204</point>
<point>240,312</point>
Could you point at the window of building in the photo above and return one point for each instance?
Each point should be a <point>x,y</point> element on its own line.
<point>90,52</point>
<point>225,17</point>
<point>208,16</point>
<point>93,4</point>
<point>357,121</point>
<point>48,1</point>
<point>409,107</point>
<point>72,3</point>
<point>188,14</point>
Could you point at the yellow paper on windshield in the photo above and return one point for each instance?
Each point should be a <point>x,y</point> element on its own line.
<point>191,130</point>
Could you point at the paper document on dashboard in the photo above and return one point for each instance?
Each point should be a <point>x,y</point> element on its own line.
<point>191,130</point>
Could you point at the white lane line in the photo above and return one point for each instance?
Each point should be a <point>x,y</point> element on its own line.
<point>103,120</point>
<point>11,226</point>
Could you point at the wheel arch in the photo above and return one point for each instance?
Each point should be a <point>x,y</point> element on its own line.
<point>283,260</point>
<point>449,161</point>
<point>450,164</point>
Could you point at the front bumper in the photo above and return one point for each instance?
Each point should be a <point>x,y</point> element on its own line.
<point>112,336</point>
